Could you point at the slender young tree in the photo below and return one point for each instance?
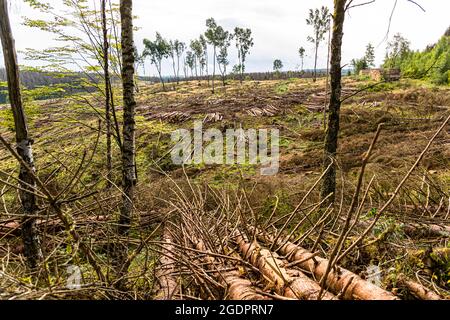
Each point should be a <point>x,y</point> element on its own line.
<point>277,65</point>
<point>331,135</point>
<point>105,54</point>
<point>222,57</point>
<point>190,62</point>
<point>244,42</point>
<point>177,49</point>
<point>30,236</point>
<point>128,153</point>
<point>370,55</point>
<point>301,53</point>
<point>203,59</point>
<point>157,51</point>
<point>320,21</point>
<point>215,36</point>
<point>197,50</point>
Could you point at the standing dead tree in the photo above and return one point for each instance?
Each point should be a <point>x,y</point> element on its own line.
<point>30,236</point>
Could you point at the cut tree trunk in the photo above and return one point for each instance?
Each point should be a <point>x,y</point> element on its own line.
<point>30,235</point>
<point>292,285</point>
<point>340,281</point>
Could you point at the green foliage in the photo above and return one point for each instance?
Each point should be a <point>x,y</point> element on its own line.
<point>190,60</point>
<point>244,42</point>
<point>301,53</point>
<point>7,118</point>
<point>359,64</point>
<point>432,64</point>
<point>198,52</point>
<point>282,88</point>
<point>320,21</point>
<point>397,51</point>
<point>365,62</point>
<point>370,55</point>
<point>277,65</point>
<point>218,38</point>
<point>157,50</point>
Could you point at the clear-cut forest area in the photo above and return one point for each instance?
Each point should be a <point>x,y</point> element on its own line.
<point>204,177</point>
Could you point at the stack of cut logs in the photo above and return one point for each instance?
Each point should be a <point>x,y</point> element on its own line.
<point>171,117</point>
<point>267,111</point>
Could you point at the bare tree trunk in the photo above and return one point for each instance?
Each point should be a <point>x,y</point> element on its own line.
<point>326,82</point>
<point>178,69</point>
<point>241,67</point>
<point>107,94</point>
<point>331,136</point>
<point>30,234</point>
<point>214,68</point>
<point>174,69</point>
<point>128,149</point>
<point>315,62</point>
<point>185,69</point>
<point>160,76</point>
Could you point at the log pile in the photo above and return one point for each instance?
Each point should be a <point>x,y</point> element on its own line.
<point>267,111</point>
<point>212,117</point>
<point>171,117</point>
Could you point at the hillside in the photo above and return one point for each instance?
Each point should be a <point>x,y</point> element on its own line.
<point>65,134</point>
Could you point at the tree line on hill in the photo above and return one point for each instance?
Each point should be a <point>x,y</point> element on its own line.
<point>432,63</point>
<point>43,85</point>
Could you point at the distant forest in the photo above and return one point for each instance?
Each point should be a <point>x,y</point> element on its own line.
<point>59,85</point>
<point>53,86</point>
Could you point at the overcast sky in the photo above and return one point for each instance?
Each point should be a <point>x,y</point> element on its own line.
<point>278,26</point>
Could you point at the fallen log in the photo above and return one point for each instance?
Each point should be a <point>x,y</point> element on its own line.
<point>238,288</point>
<point>416,289</point>
<point>426,230</point>
<point>415,230</point>
<point>167,285</point>
<point>292,285</point>
<point>340,281</point>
